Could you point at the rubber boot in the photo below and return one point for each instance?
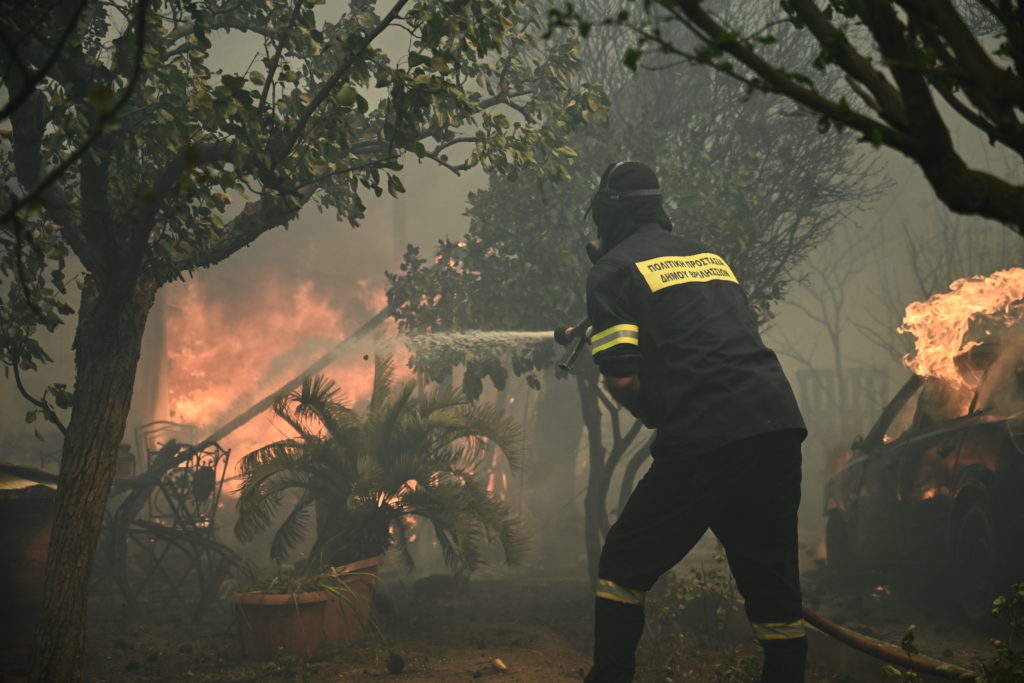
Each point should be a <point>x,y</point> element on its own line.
<point>784,660</point>
<point>617,630</point>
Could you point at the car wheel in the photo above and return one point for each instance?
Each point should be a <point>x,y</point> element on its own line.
<point>976,562</point>
<point>839,547</point>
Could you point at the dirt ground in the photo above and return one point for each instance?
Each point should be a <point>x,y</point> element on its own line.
<point>526,626</point>
<point>885,607</point>
<point>514,627</point>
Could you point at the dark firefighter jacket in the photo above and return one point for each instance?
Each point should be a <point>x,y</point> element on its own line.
<point>667,309</point>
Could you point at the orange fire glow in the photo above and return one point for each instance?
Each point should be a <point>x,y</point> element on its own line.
<point>942,325</point>
<point>225,354</point>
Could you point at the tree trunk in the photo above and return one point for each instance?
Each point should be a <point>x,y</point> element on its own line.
<point>108,340</point>
<point>602,463</point>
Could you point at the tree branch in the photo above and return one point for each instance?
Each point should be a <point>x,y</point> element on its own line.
<point>222,19</point>
<point>997,119</point>
<point>890,104</point>
<point>255,219</point>
<point>20,273</point>
<point>316,180</point>
<point>775,80</point>
<point>276,59</point>
<point>48,412</point>
<point>986,76</point>
<point>971,116</point>
<point>339,75</point>
<point>891,38</point>
<point>29,86</point>
<point>98,129</point>
<point>926,139</point>
<point>193,157</point>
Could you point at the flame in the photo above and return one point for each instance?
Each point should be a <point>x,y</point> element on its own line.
<point>943,330</point>
<point>225,353</point>
<point>497,477</point>
<point>215,354</point>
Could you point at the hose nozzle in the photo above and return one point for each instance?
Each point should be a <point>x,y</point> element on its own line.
<point>575,337</point>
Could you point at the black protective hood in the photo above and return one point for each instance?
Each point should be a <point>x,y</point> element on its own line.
<point>628,196</point>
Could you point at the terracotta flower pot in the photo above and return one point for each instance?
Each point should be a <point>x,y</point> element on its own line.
<point>305,625</point>
<point>282,624</point>
<point>347,613</point>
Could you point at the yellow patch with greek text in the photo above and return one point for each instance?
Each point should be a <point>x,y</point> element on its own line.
<point>666,271</point>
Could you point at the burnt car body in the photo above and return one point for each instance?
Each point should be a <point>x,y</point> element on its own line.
<point>936,492</point>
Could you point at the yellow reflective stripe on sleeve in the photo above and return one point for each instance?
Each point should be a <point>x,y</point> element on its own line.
<point>779,630</point>
<point>620,340</point>
<point>624,327</point>
<point>609,590</point>
<point>666,271</point>
<point>617,334</point>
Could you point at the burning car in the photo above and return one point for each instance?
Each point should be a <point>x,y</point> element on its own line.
<point>937,484</point>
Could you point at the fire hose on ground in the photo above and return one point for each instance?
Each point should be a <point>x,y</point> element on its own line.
<point>886,651</point>
<point>575,338</point>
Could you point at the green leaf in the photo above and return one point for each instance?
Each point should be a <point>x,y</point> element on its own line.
<point>101,97</point>
<point>395,186</point>
<point>631,58</point>
<point>347,95</point>
<point>440,64</point>
<point>366,20</point>
<point>798,77</point>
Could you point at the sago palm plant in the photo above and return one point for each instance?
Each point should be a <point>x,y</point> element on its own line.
<point>367,477</point>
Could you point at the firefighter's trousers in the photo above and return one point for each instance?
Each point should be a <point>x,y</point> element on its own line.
<point>747,493</point>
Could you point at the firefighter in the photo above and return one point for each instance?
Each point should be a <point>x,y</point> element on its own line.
<point>678,347</point>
